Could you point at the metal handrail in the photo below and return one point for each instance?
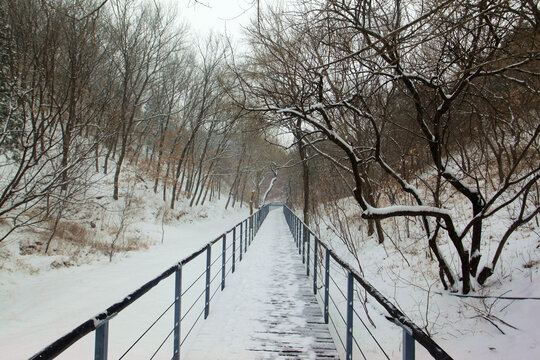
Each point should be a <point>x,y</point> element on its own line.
<point>411,332</point>
<point>99,323</point>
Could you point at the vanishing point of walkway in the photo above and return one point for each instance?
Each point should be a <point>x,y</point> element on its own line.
<point>267,309</point>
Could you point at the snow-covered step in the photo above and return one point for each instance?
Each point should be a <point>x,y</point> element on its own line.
<point>268,309</point>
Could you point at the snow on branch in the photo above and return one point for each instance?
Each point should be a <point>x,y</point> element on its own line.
<point>401,210</point>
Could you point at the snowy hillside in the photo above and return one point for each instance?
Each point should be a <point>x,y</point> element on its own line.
<point>45,296</point>
<point>41,306</point>
<point>468,328</point>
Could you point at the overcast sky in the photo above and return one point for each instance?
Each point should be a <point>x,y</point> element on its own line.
<point>217,15</point>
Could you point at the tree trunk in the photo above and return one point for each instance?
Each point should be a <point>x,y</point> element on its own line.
<point>178,169</point>
<point>96,154</point>
<point>200,167</point>
<point>305,170</point>
<point>125,135</point>
<point>476,238</point>
<point>117,172</point>
<point>242,192</point>
<point>160,151</point>
<point>380,233</point>
<point>210,188</point>
<point>230,194</point>
<point>251,202</point>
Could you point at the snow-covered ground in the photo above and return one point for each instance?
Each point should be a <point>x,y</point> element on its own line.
<point>43,297</point>
<point>466,328</point>
<point>39,308</point>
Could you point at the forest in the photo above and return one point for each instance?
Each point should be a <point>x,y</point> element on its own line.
<point>401,108</point>
<point>414,106</point>
<point>89,88</point>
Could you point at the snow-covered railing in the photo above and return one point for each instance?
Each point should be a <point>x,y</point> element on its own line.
<point>241,236</point>
<point>317,268</point>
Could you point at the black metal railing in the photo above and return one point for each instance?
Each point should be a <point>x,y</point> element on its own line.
<point>319,259</point>
<point>234,244</point>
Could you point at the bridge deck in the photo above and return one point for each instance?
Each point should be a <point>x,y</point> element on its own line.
<point>267,310</point>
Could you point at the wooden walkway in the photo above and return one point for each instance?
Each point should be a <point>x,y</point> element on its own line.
<point>268,309</point>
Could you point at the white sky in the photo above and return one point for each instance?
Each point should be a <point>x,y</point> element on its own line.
<point>218,15</point>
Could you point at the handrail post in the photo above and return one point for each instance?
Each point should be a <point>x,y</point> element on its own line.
<point>177,312</point>
<point>233,248</point>
<point>102,341</point>
<point>408,346</point>
<point>307,253</point>
<point>300,242</point>
<point>315,259</point>
<point>303,244</point>
<point>297,229</point>
<point>223,258</point>
<point>295,232</point>
<point>250,229</point>
<point>326,285</point>
<point>207,294</point>
<point>350,294</point>
<point>292,226</point>
<point>241,233</point>
<point>246,236</point>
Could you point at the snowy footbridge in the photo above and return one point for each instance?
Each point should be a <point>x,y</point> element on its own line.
<point>292,297</point>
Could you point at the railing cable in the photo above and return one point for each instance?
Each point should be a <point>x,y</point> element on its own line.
<point>215,292</point>
<point>358,346</point>
<point>319,273</point>
<point>218,273</point>
<point>228,259</point>
<point>162,343</point>
<point>216,259</point>
<point>337,308</point>
<point>192,305</point>
<point>358,316</point>
<point>228,271</point>
<point>337,332</point>
<point>194,282</point>
<point>338,287</point>
<point>144,333</point>
<point>192,326</point>
<point>371,334</point>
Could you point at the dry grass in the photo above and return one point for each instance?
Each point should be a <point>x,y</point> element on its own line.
<point>530,264</point>
<point>73,232</point>
<point>76,240</point>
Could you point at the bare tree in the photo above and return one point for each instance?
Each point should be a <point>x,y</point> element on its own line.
<point>143,38</point>
<point>349,73</point>
<point>48,147</point>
